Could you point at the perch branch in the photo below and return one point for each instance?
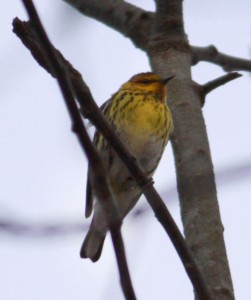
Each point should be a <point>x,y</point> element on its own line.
<point>100,179</point>
<point>96,117</point>
<point>227,62</point>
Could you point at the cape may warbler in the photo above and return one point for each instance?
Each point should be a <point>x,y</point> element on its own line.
<point>140,117</point>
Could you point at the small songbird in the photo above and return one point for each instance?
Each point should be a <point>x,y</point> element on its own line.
<point>141,118</point>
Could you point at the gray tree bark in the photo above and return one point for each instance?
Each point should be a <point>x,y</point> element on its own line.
<point>169,53</point>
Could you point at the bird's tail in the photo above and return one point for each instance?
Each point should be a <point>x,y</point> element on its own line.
<point>93,244</point>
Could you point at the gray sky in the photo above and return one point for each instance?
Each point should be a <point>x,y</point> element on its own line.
<point>43,170</point>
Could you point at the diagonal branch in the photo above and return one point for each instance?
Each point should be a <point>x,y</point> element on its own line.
<point>208,87</point>
<point>101,184</point>
<point>132,21</point>
<point>96,117</point>
<point>227,62</point>
<point>214,84</point>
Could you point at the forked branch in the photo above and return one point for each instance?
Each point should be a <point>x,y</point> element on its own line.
<point>136,24</point>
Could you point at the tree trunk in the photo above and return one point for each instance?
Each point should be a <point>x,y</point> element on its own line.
<point>169,54</point>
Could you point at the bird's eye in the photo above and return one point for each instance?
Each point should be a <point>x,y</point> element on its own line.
<point>145,81</point>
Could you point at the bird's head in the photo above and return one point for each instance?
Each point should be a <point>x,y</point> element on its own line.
<point>149,82</point>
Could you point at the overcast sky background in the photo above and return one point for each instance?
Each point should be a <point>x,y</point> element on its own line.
<point>43,170</point>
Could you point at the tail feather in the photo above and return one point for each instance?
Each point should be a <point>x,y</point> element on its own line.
<point>92,245</point>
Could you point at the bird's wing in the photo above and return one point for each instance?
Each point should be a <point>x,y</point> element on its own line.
<point>89,195</point>
<point>89,189</point>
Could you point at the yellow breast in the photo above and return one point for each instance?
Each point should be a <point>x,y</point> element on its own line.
<point>142,115</point>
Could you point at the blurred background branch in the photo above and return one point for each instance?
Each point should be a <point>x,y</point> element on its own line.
<point>11,226</point>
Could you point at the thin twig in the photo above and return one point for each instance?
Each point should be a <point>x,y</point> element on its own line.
<point>214,84</point>
<point>227,62</point>
<point>100,179</point>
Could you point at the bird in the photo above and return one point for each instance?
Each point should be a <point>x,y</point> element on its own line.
<point>139,115</point>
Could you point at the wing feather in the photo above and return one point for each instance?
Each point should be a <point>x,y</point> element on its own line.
<point>89,196</point>
<point>89,188</point>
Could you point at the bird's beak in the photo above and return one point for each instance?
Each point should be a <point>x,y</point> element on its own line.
<point>166,80</point>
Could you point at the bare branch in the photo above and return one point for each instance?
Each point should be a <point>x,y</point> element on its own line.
<point>132,21</point>
<point>96,117</point>
<point>227,62</point>
<point>213,84</point>
<point>39,230</point>
<point>101,184</point>
<point>9,225</point>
